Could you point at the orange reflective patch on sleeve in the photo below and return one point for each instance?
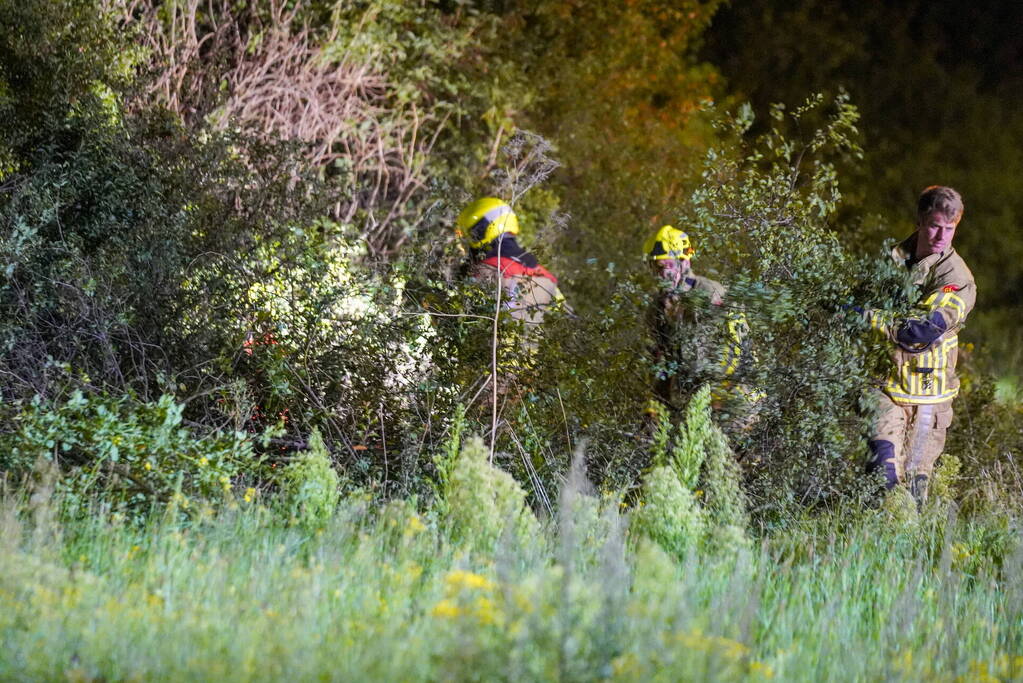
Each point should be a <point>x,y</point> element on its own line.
<point>951,288</point>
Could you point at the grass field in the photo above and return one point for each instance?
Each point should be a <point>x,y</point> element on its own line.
<point>385,594</point>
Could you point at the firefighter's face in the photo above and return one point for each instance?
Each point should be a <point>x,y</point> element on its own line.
<point>670,271</point>
<point>934,234</point>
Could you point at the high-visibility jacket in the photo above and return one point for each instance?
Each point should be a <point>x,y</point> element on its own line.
<point>925,348</point>
<point>673,309</point>
<point>528,290</point>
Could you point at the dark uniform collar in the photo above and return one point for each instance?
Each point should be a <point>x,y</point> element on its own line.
<point>904,253</point>
<point>506,246</point>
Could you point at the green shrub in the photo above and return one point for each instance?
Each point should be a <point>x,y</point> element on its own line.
<point>669,513</point>
<point>764,217</point>
<point>695,433</point>
<point>946,478</point>
<point>311,485</point>
<point>900,508</point>
<point>677,515</point>
<point>483,502</point>
<point>987,439</point>
<point>723,497</point>
<point>124,451</point>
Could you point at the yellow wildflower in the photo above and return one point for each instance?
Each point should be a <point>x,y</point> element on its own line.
<point>446,608</point>
<point>485,611</point>
<point>904,662</point>
<point>414,526</point>
<point>625,666</point>
<point>697,640</point>
<point>461,579</point>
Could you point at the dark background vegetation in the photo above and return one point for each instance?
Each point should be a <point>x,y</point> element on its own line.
<point>938,85</point>
<point>228,224</point>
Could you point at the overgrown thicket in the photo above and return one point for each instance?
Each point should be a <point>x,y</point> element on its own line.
<point>248,418</point>
<point>165,235</point>
<point>227,229</point>
<point>475,586</point>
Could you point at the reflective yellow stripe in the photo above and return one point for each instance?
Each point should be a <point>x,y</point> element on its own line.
<point>903,398</point>
<point>958,304</point>
<point>946,299</point>
<point>911,386</point>
<point>880,319</point>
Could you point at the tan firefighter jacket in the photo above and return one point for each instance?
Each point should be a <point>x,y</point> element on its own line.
<point>672,310</point>
<point>925,348</point>
<point>525,295</point>
<point>528,291</point>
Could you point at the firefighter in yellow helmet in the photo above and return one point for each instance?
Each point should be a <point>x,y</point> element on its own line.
<point>915,401</point>
<point>693,304</point>
<point>527,290</point>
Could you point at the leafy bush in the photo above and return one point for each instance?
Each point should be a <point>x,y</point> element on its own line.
<point>763,217</point>
<point>58,57</point>
<point>311,485</point>
<point>675,514</point>
<point>126,451</point>
<point>483,503</point>
<point>140,255</point>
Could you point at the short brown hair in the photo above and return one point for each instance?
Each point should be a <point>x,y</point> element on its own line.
<point>939,199</point>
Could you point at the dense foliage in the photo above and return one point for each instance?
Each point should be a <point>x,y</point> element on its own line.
<point>256,420</point>
<point>183,237</point>
<point>941,109</point>
<point>391,593</point>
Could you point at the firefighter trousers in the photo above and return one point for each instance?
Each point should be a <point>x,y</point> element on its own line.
<point>906,441</point>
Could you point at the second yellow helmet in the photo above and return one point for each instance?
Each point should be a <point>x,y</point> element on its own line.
<point>668,242</point>
<point>485,219</point>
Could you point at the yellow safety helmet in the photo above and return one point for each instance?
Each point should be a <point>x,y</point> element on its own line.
<point>668,242</point>
<point>485,219</point>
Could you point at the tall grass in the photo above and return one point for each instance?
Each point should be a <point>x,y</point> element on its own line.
<point>383,593</point>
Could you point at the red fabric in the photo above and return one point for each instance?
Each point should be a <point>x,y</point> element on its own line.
<point>251,342</point>
<point>950,288</point>
<point>511,267</point>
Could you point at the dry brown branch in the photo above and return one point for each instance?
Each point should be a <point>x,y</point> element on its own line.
<point>269,75</point>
